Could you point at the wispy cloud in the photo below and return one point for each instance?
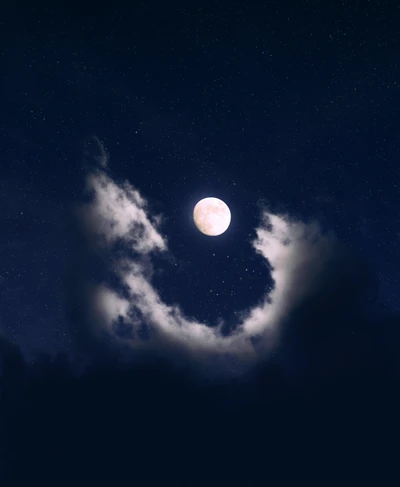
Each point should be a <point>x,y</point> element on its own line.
<point>119,214</point>
<point>95,152</point>
<point>118,217</point>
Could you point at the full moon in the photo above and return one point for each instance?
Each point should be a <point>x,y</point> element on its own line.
<point>212,216</point>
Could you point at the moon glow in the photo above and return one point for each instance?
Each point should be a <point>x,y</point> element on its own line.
<point>212,216</point>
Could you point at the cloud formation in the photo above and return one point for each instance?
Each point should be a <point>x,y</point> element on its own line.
<point>121,227</point>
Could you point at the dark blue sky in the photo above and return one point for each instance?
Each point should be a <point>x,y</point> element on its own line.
<point>293,104</point>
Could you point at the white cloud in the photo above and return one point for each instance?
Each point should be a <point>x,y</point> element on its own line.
<point>118,213</point>
<point>295,252</point>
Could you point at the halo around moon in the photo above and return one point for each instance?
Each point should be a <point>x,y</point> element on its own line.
<point>212,216</point>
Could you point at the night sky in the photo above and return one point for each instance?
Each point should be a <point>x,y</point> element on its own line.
<point>284,109</point>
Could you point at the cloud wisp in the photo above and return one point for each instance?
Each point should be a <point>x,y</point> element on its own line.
<point>121,226</point>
